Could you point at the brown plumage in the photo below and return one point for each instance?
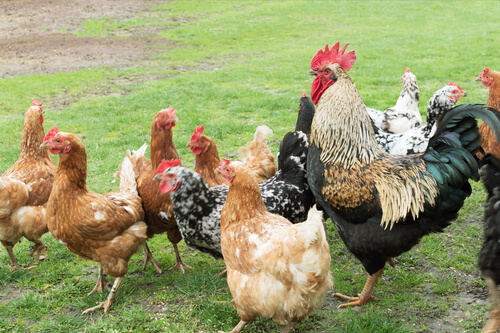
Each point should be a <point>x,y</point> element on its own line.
<point>24,187</point>
<point>274,268</point>
<point>256,154</point>
<point>490,79</point>
<point>106,228</point>
<point>157,205</point>
<point>207,157</point>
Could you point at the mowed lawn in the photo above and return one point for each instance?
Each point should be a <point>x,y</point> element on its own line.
<point>232,66</point>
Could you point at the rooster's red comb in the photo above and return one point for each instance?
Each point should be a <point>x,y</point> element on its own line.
<point>52,133</point>
<point>35,102</point>
<point>407,70</point>
<point>165,164</point>
<point>456,85</point>
<point>197,132</point>
<point>304,93</point>
<point>334,56</point>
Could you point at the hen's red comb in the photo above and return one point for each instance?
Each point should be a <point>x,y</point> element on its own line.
<point>486,69</point>
<point>52,133</point>
<point>165,164</point>
<point>304,93</point>
<point>224,162</point>
<point>197,132</point>
<point>407,70</point>
<point>334,56</point>
<point>35,102</point>
<point>171,111</point>
<point>456,85</point>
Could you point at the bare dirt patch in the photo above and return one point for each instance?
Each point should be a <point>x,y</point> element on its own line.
<point>36,36</point>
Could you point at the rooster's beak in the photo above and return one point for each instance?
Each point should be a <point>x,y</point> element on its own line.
<point>313,72</point>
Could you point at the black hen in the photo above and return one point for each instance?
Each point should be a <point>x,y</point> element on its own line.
<point>197,207</point>
<point>489,256</point>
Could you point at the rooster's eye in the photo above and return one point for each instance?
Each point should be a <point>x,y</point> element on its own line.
<point>327,71</point>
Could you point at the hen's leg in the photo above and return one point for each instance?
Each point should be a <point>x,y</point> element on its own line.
<point>39,248</point>
<point>290,326</point>
<point>148,257</point>
<point>493,322</point>
<point>366,294</point>
<point>13,260</point>
<point>101,284</point>
<point>111,297</point>
<point>178,261</point>
<point>240,326</point>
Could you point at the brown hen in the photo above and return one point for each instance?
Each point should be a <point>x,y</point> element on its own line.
<point>490,79</point>
<point>24,187</point>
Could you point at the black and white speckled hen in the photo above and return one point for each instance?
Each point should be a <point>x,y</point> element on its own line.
<point>197,206</point>
<point>381,204</point>
<point>405,115</point>
<point>489,256</point>
<point>416,139</point>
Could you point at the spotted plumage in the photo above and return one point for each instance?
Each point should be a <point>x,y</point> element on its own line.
<point>416,139</point>
<point>405,115</point>
<point>197,206</point>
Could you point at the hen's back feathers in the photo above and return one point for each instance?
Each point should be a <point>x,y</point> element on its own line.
<point>257,155</point>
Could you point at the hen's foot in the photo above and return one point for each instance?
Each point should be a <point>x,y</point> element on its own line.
<point>148,257</point>
<point>39,248</point>
<point>105,305</point>
<point>493,322</point>
<point>101,284</point>
<point>180,265</point>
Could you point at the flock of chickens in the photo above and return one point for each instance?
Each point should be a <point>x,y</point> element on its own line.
<point>384,179</point>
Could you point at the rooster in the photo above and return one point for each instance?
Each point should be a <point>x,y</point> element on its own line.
<point>25,187</point>
<point>489,256</point>
<point>405,115</point>
<point>415,140</point>
<point>255,153</point>
<point>490,79</point>
<point>197,206</point>
<point>274,268</point>
<point>382,204</point>
<point>106,228</point>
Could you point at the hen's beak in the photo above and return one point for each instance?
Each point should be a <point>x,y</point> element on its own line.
<point>313,72</point>
<point>45,145</point>
<point>157,178</point>
<point>463,94</point>
<point>478,78</point>
<point>217,171</point>
<point>188,144</point>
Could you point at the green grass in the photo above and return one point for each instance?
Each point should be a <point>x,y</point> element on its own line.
<point>232,66</point>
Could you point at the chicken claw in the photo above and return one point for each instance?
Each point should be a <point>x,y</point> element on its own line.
<point>101,284</point>
<point>111,297</point>
<point>178,261</point>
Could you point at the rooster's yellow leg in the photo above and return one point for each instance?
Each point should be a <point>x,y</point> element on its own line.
<point>366,294</point>
<point>111,297</point>
<point>493,322</point>
<point>178,261</point>
<point>101,284</point>
<point>148,257</point>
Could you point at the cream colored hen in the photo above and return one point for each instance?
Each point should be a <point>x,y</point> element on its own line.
<point>274,268</point>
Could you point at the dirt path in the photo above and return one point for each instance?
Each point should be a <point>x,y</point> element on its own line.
<point>37,36</point>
